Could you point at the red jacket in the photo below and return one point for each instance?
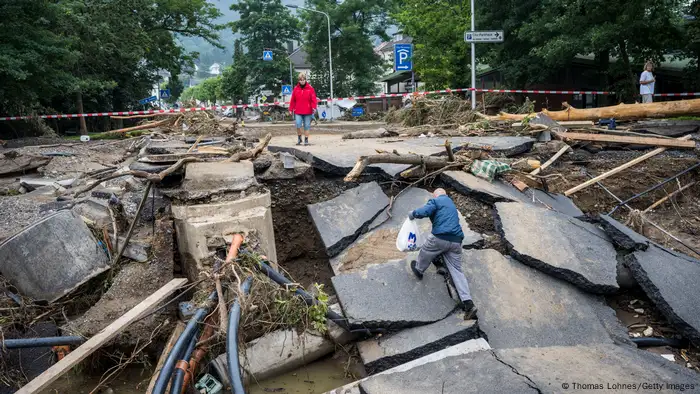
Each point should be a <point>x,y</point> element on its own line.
<point>303,100</point>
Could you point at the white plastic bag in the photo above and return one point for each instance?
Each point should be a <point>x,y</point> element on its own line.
<point>410,237</point>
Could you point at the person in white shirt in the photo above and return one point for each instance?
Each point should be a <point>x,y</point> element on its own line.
<point>646,83</point>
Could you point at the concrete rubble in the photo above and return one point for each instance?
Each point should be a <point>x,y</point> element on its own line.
<point>380,354</point>
<point>564,247</point>
<point>379,243</point>
<point>389,296</point>
<point>670,281</point>
<point>66,256</point>
<point>499,191</point>
<point>537,370</point>
<point>334,155</point>
<point>517,304</point>
<point>203,180</point>
<point>341,220</point>
<point>622,236</point>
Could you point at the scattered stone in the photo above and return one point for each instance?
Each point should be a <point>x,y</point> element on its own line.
<point>154,168</point>
<point>382,353</point>
<point>131,285</point>
<point>157,205</point>
<point>31,183</point>
<point>137,250</point>
<point>341,220</point>
<point>499,191</point>
<point>639,310</point>
<point>531,369</point>
<point>332,154</point>
<point>263,162</point>
<point>379,244</point>
<point>564,247</point>
<point>670,281</point>
<point>96,210</point>
<point>622,236</point>
<point>51,257</point>
<point>21,163</point>
<point>389,296</point>
<point>206,179</point>
<point>338,334</point>
<point>371,133</point>
<point>648,332</point>
<point>106,193</point>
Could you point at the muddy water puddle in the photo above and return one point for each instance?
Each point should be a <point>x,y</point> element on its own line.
<point>315,378</point>
<point>132,380</point>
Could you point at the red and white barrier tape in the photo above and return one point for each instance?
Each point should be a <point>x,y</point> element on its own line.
<point>277,103</point>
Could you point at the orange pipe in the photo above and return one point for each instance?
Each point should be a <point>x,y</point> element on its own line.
<point>199,352</point>
<point>235,245</point>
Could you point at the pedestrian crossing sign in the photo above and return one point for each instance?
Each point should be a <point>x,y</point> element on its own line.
<point>286,90</point>
<point>267,56</point>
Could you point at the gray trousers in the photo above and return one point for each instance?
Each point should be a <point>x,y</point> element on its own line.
<point>647,98</point>
<point>452,254</point>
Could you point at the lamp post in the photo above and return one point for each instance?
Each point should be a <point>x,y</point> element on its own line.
<point>330,59</point>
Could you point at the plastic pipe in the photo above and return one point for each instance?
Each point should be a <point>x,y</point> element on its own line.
<point>196,356</point>
<point>41,342</point>
<point>671,342</point>
<point>234,364</point>
<point>182,366</point>
<point>235,245</point>
<point>180,346</point>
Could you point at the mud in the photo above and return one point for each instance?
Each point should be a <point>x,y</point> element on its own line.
<point>379,247</point>
<point>300,250</point>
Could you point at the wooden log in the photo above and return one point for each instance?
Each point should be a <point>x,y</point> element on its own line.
<point>194,146</point>
<point>179,328</point>
<point>619,169</point>
<point>364,161</point>
<point>551,160</point>
<point>663,199</point>
<point>147,115</point>
<point>564,123</point>
<point>251,154</point>
<point>93,344</point>
<point>448,149</point>
<point>141,127</point>
<point>669,143</point>
<point>664,109</point>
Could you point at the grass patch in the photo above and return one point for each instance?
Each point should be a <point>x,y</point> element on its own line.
<point>685,118</point>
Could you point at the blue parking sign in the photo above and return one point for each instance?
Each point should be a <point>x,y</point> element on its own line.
<point>402,57</point>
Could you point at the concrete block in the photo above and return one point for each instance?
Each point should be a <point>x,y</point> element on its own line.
<point>384,353</point>
<point>278,352</point>
<point>341,220</point>
<point>205,179</point>
<point>389,296</point>
<point>623,236</point>
<point>195,234</point>
<point>338,334</point>
<point>564,247</point>
<point>670,281</point>
<point>51,257</point>
<point>230,208</point>
<point>96,210</point>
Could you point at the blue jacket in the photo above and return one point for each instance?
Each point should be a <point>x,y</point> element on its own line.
<point>443,214</point>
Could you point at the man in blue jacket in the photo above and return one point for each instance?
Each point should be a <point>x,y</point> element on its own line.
<point>445,240</point>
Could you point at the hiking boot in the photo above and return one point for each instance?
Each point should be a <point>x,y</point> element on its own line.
<point>417,273</point>
<point>299,140</point>
<point>469,309</point>
<point>306,140</point>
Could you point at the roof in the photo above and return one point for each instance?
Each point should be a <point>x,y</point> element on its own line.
<point>300,58</point>
<point>387,46</point>
<point>397,77</point>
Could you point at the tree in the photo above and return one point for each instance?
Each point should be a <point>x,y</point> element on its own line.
<point>441,56</point>
<point>356,67</point>
<point>547,35</point>
<point>691,49</point>
<point>265,25</point>
<point>234,79</point>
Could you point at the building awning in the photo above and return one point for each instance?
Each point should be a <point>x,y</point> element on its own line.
<point>399,76</point>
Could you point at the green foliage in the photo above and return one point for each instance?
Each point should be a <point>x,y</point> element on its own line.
<point>264,25</point>
<point>544,36</point>
<point>318,311</point>
<point>106,53</point>
<point>234,79</point>
<point>354,23</point>
<point>691,49</point>
<point>437,26</point>
<point>208,91</point>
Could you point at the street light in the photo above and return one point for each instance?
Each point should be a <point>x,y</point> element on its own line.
<point>330,59</point>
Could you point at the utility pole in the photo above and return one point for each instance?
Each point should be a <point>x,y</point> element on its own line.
<point>473,66</point>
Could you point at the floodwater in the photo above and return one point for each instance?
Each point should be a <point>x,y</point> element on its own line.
<point>315,378</point>
<point>132,380</point>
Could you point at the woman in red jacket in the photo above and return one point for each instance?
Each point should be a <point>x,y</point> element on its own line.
<point>302,106</point>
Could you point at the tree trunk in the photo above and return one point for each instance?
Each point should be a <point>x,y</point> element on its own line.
<point>662,109</point>
<point>83,125</point>
<point>629,75</point>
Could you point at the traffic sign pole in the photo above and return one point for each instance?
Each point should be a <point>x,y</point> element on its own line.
<point>473,61</point>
